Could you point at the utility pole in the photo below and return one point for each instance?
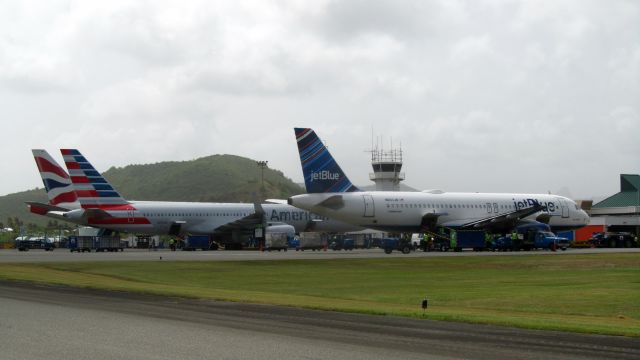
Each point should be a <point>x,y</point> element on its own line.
<point>262,165</point>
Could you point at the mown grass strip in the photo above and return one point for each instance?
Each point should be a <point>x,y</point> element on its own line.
<point>598,293</point>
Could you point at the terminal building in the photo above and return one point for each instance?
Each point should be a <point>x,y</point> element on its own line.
<point>617,213</point>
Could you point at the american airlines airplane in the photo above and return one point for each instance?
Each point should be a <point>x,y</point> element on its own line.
<point>331,194</point>
<point>85,197</point>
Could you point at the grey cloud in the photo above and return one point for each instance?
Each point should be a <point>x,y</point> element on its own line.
<point>478,92</point>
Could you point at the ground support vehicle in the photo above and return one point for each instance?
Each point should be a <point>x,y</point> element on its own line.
<point>446,239</point>
<point>194,242</point>
<point>400,244</point>
<point>108,243</point>
<point>342,244</point>
<point>276,241</point>
<point>81,243</point>
<point>311,241</point>
<point>613,240</point>
<point>547,240</point>
<point>27,244</point>
<point>531,236</point>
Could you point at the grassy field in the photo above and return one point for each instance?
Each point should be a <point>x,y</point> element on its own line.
<point>598,293</point>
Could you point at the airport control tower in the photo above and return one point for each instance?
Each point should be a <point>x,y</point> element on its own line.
<point>386,168</point>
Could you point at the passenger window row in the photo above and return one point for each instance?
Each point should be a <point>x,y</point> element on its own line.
<point>192,214</point>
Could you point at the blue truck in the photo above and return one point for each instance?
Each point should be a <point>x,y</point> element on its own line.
<point>393,243</point>
<point>193,242</point>
<point>461,239</point>
<point>531,236</point>
<point>342,243</point>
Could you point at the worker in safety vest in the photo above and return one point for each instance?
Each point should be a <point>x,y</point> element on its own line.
<point>454,241</point>
<point>514,236</point>
<point>488,239</point>
<point>424,242</point>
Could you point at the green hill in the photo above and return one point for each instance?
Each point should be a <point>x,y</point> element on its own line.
<point>216,178</point>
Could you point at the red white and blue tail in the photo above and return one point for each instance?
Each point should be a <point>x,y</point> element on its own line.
<point>92,189</point>
<point>57,182</point>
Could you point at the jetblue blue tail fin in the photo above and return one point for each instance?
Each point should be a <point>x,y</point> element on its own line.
<point>322,173</point>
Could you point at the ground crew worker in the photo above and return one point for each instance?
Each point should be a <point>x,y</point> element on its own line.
<point>172,244</point>
<point>488,240</point>
<point>424,242</point>
<point>454,241</point>
<point>514,240</point>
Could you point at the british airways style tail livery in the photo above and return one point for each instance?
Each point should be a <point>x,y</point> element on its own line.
<point>100,205</point>
<point>57,184</point>
<point>335,197</point>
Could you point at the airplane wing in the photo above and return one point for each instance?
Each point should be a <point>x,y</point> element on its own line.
<point>503,221</point>
<point>248,222</point>
<point>276,201</point>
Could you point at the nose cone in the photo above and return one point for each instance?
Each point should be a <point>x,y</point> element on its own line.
<point>585,217</point>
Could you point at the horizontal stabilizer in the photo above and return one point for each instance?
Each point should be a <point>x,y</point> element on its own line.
<point>43,209</point>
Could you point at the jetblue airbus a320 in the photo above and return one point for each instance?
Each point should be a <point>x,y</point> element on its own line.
<point>330,193</point>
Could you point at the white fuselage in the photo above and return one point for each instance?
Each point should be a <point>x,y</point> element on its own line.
<point>404,211</point>
<point>157,217</point>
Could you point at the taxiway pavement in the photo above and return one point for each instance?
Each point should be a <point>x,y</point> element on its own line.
<point>53,322</point>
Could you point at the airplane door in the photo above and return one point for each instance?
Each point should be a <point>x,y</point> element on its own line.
<point>369,210</point>
<point>130,216</point>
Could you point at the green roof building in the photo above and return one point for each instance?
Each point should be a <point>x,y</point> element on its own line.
<point>621,211</point>
<point>629,195</point>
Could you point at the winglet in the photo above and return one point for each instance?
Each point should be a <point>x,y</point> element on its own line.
<point>321,172</point>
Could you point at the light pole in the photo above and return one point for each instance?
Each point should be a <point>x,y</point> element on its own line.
<point>262,165</point>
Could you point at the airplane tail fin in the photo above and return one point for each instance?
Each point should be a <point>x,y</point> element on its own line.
<point>321,172</point>
<point>92,189</point>
<point>57,182</point>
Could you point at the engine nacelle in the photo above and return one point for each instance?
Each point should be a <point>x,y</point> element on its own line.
<point>531,225</point>
<point>279,228</point>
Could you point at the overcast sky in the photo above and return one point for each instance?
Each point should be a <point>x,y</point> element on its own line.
<point>490,96</point>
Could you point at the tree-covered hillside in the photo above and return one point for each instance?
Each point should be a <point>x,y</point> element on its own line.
<point>217,178</point>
